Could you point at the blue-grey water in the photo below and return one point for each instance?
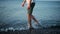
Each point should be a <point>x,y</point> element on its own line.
<point>13,15</point>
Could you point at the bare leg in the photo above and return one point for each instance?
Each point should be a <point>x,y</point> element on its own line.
<point>34,19</point>
<point>36,22</point>
<point>29,21</point>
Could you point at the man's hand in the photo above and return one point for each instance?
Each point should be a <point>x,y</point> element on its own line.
<point>28,7</point>
<point>22,4</point>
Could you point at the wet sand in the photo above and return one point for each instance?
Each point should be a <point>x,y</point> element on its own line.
<point>33,31</point>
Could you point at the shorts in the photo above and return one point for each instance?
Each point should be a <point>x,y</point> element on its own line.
<point>31,8</point>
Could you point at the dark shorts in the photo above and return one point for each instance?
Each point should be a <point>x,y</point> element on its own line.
<point>31,8</point>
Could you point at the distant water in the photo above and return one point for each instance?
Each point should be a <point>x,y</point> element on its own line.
<point>12,14</point>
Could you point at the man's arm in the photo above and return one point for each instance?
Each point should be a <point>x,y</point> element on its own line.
<point>23,3</point>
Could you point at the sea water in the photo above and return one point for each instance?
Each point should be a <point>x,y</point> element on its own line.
<point>13,15</point>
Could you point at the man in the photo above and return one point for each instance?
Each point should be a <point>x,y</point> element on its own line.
<point>30,6</point>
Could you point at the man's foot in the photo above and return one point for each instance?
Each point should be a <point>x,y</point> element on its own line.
<point>31,28</point>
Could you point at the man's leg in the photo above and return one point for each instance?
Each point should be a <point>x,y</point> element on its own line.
<point>29,21</point>
<point>34,19</point>
<point>29,14</point>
